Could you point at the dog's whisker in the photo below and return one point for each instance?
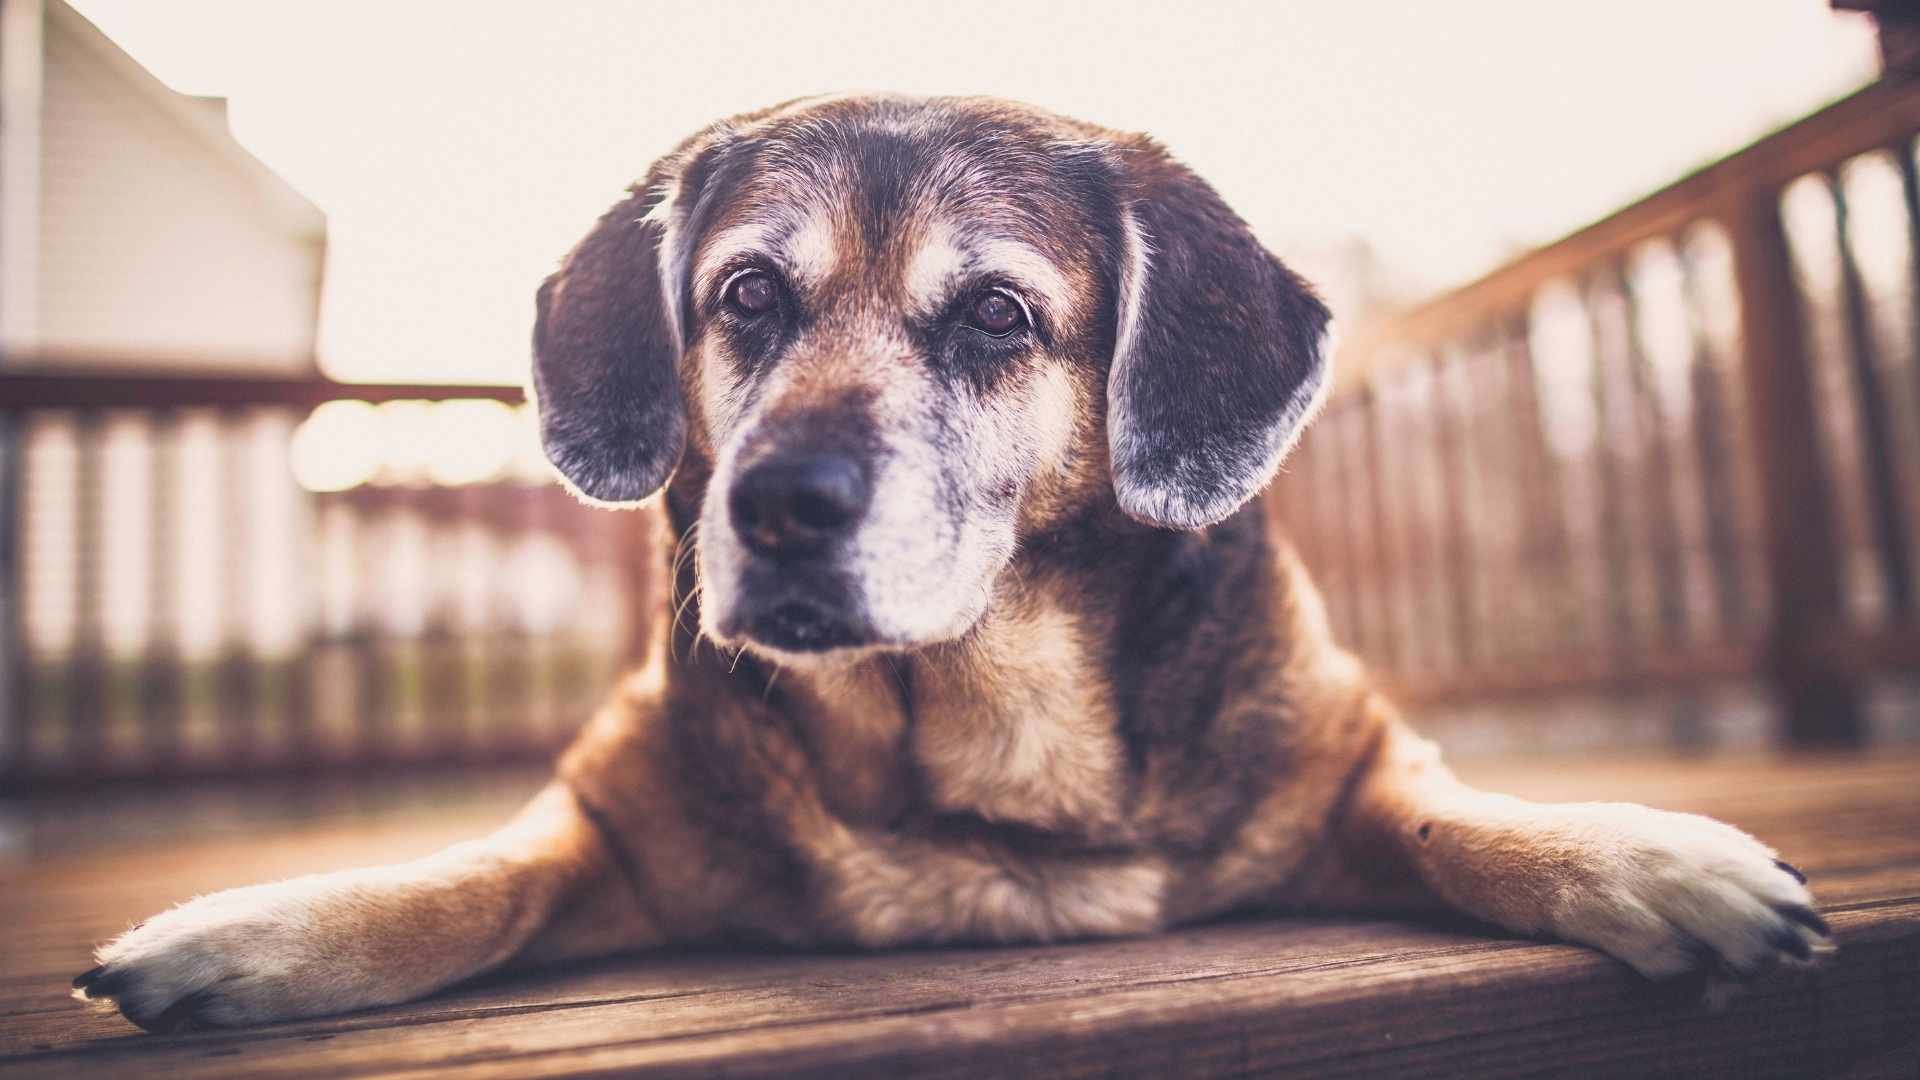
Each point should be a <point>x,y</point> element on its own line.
<point>680,609</point>
<point>683,550</point>
<point>679,621</point>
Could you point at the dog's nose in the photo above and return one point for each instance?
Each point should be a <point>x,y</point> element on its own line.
<point>797,504</point>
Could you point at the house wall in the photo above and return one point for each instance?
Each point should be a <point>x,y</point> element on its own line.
<point>160,242</point>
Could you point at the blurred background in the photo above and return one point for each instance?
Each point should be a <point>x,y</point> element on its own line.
<point>1625,451</point>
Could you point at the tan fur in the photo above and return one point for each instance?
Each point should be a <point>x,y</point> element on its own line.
<point>1019,767</point>
<point>999,732</point>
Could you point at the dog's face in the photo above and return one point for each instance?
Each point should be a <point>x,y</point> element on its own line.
<point>904,334</point>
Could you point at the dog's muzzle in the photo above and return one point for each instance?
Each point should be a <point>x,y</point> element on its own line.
<point>793,512</point>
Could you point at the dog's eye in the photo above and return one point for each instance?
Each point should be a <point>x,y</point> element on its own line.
<point>753,293</point>
<point>997,313</point>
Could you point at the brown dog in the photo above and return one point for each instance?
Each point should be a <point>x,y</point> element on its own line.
<point>962,410</point>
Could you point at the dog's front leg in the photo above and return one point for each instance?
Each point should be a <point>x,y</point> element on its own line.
<point>1665,892</point>
<point>333,942</point>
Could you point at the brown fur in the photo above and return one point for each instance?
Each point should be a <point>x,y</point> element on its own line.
<point>1140,726</point>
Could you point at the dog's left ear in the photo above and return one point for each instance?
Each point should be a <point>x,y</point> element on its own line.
<point>608,330</point>
<point>1219,357</point>
<point>606,356</point>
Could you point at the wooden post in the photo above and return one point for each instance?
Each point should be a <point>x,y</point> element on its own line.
<point>15,698</point>
<point>1877,438</point>
<point>84,746</point>
<point>1803,561</point>
<point>1450,415</point>
<point>1899,24</point>
<point>1384,571</point>
<point>162,707</point>
<point>1720,472</point>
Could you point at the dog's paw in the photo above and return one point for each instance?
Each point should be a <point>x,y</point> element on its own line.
<point>245,956</point>
<point>1673,893</point>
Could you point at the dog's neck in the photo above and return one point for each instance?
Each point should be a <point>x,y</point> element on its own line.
<point>1032,718</point>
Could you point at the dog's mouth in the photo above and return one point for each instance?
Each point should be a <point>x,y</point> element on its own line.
<point>791,612</point>
<point>804,626</point>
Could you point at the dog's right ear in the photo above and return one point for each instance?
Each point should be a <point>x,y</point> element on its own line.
<point>1221,352</point>
<point>607,336</point>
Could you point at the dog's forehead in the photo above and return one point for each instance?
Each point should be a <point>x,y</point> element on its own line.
<point>913,195</point>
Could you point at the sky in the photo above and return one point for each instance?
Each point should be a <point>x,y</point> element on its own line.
<point>460,148</point>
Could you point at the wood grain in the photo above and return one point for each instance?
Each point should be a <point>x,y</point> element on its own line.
<point>1314,996</point>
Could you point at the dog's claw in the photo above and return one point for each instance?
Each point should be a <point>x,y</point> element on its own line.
<point>1791,870</point>
<point>1789,941</point>
<point>86,978</point>
<point>1807,917</point>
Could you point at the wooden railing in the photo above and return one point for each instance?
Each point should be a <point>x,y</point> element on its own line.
<point>176,604</point>
<point>1680,445</point>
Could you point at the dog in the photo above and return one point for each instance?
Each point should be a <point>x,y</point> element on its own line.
<point>962,412</point>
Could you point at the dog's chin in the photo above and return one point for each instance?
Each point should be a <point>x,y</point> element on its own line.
<point>820,617</point>
<point>807,650</point>
<point>796,621</point>
<point>805,628</point>
<point>808,634</point>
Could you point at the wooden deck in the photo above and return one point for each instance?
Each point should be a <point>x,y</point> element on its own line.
<point>1320,997</point>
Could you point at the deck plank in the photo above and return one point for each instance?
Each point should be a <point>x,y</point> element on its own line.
<point>1328,997</point>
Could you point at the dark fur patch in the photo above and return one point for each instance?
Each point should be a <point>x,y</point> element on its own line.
<point>1222,362</point>
<point>1190,624</point>
<point>611,415</point>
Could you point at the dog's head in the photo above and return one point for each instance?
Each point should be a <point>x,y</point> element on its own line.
<point>903,334</point>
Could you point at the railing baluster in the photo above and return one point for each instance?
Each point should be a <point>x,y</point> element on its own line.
<point>1656,467</point>
<point>1410,463</point>
<point>1378,531</point>
<point>1907,155</point>
<point>373,688</point>
<point>1322,459</point>
<point>1616,564</point>
<point>1803,563</point>
<point>550,692</point>
<point>303,745</point>
<point>443,663</point>
<point>511,681</point>
<point>1870,398</point>
<point>236,714</point>
<point>83,746</point>
<point>1456,551</point>
<point>474,642</point>
<point>161,701</point>
<point>1387,438</point>
<point>16,695</point>
<point>1544,555</point>
<point>1482,432</point>
<point>1348,478</point>
<point>1722,515</point>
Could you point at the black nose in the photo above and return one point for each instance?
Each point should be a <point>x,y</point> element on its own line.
<point>798,503</point>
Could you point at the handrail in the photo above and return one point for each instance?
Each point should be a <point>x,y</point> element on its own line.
<point>1683,471</point>
<point>131,390</point>
<point>1876,116</point>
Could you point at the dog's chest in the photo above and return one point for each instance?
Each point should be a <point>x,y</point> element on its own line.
<point>1016,725</point>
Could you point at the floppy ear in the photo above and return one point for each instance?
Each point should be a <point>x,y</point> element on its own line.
<point>1220,353</point>
<point>606,351</point>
